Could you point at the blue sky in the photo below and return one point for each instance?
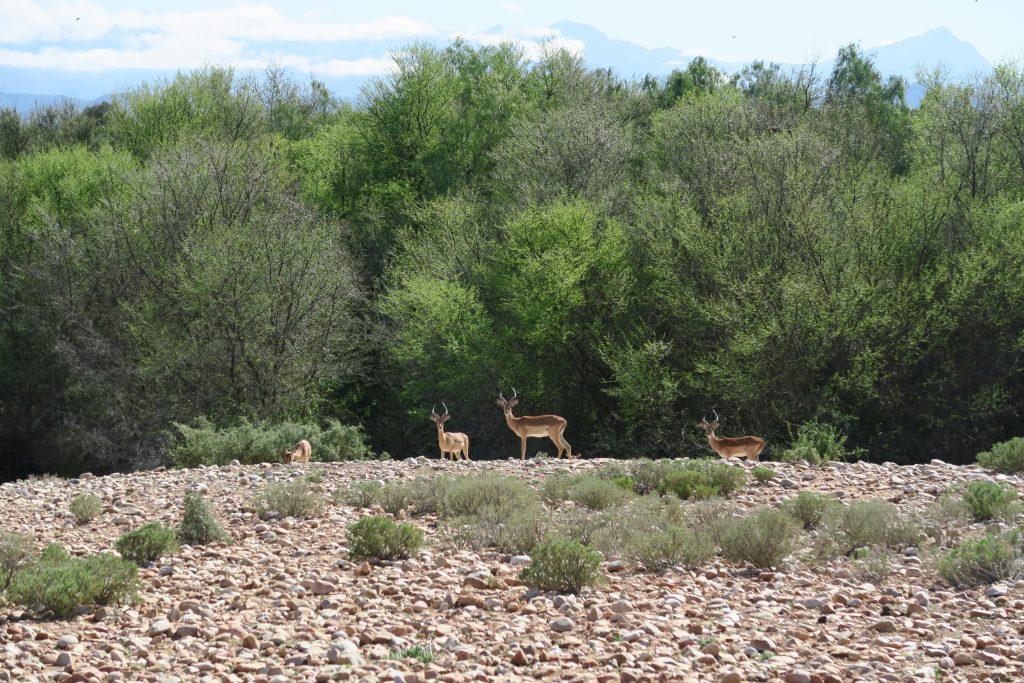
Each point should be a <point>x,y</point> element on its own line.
<point>348,39</point>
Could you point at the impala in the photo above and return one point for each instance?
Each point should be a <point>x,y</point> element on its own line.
<point>300,453</point>
<point>748,447</point>
<point>551,426</point>
<point>455,444</point>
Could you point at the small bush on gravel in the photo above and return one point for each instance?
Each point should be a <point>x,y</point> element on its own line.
<point>711,516</point>
<point>810,508</point>
<point>287,499</point>
<point>985,559</point>
<point>562,566</point>
<point>763,474</point>
<point>380,538</point>
<point>361,494</point>
<point>468,496</point>
<point>873,564</point>
<point>393,497</point>
<point>15,551</point>
<point>555,489</point>
<point>85,507</point>
<point>611,531</point>
<point>422,653</point>
<point>986,500</point>
<point>866,523</point>
<point>688,485</point>
<point>763,539</point>
<point>147,543</point>
<point>657,551</point>
<point>647,475</point>
<point>315,476</point>
<point>1006,457</point>
<point>597,494</point>
<point>59,583</point>
<point>516,533</point>
<point>198,525</point>
<point>728,479</point>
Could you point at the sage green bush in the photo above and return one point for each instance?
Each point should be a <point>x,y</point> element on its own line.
<point>764,538</point>
<point>1006,457</point>
<point>292,498</point>
<point>199,526</point>
<point>148,543</point>
<point>85,507</point>
<point>59,584</point>
<point>380,538</point>
<point>562,566</point>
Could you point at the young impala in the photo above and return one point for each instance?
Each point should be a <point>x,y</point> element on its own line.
<point>748,447</point>
<point>455,444</point>
<point>551,426</point>
<point>300,453</point>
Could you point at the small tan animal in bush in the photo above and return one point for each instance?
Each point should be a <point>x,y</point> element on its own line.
<point>454,444</point>
<point>300,453</point>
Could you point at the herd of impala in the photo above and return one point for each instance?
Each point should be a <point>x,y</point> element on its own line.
<point>455,445</point>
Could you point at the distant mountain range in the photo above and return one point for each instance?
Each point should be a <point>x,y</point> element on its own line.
<point>936,47</point>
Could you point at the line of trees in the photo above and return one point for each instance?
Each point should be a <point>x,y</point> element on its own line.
<point>785,247</point>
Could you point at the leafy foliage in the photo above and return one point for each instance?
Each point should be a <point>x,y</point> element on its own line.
<point>287,499</point>
<point>148,543</point>
<point>380,538</point>
<point>59,583</point>
<point>15,551</point>
<point>1006,457</point>
<point>562,566</point>
<point>763,474</point>
<point>764,538</point>
<point>989,500</point>
<point>85,507</point>
<point>657,551</point>
<point>993,557</point>
<point>810,508</point>
<point>199,526</point>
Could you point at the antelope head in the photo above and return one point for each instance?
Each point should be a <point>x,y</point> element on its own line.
<point>709,427</point>
<point>507,404</point>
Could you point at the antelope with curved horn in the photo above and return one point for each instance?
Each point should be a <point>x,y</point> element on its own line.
<point>455,444</point>
<point>551,426</point>
<point>748,447</point>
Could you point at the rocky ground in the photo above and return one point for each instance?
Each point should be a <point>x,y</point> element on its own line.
<point>283,603</point>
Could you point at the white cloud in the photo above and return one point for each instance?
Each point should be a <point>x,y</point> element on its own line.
<point>30,21</point>
<point>531,40</point>
<point>512,7</point>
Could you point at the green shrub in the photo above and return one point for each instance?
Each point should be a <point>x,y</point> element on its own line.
<point>992,557</point>
<point>647,476</point>
<point>728,479</point>
<point>85,507</point>
<point>866,523</point>
<point>315,476</point>
<point>422,653</point>
<point>468,496</point>
<point>763,474</point>
<point>611,530</point>
<point>555,489</point>
<point>201,443</point>
<point>562,566</point>
<point>380,538</point>
<point>1006,457</point>
<point>713,517</point>
<point>597,494</point>
<point>15,551</point>
<point>810,508</point>
<point>393,497</point>
<point>198,525</point>
<point>657,551</point>
<point>147,543</point>
<point>873,564</point>
<point>361,494</point>
<point>516,533</point>
<point>763,539</point>
<point>58,583</point>
<point>986,500</point>
<point>688,485</point>
<point>287,499</point>
<point>819,443</point>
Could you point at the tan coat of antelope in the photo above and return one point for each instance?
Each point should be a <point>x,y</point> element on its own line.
<point>455,444</point>
<point>551,426</point>
<point>300,453</point>
<point>748,447</point>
